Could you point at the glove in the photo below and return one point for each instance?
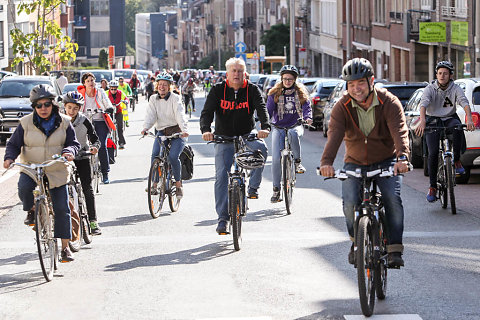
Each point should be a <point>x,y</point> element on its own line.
<point>110,110</point>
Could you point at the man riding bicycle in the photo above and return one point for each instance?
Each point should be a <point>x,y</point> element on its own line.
<point>372,123</point>
<point>438,107</point>
<point>134,85</point>
<point>233,103</point>
<point>187,90</point>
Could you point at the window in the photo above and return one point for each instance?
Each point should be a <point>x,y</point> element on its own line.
<point>2,50</point>
<point>315,7</point>
<point>99,8</point>
<point>379,13</point>
<point>329,16</point>
<point>426,5</point>
<point>99,39</point>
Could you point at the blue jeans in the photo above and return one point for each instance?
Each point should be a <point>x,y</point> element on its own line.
<point>278,144</point>
<point>59,195</point>
<point>390,189</point>
<point>102,132</point>
<point>176,148</point>
<point>223,162</point>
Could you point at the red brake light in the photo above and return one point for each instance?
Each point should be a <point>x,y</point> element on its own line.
<point>476,119</point>
<point>316,100</point>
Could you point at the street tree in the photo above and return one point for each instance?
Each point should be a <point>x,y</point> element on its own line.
<point>103,59</point>
<point>31,46</point>
<point>274,39</point>
<point>132,7</point>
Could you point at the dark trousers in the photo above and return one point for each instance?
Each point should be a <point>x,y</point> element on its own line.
<point>85,173</point>
<point>187,98</point>
<point>119,124</point>
<point>102,132</point>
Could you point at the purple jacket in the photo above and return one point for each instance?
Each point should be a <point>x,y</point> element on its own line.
<point>290,116</point>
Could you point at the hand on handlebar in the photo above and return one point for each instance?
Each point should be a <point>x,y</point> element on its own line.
<point>68,156</point>
<point>263,134</point>
<point>93,150</point>
<point>327,171</point>
<point>7,163</point>
<point>401,167</point>
<point>470,125</point>
<point>207,136</point>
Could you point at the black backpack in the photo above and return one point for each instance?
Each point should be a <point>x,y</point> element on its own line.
<point>186,158</point>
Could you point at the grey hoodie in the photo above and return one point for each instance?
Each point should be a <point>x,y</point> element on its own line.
<point>443,103</point>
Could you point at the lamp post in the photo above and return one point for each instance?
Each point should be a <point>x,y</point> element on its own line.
<point>292,32</point>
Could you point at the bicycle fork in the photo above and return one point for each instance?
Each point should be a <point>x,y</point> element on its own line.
<point>243,196</point>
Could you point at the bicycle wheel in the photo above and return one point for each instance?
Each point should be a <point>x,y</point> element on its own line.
<point>173,201</point>
<point>95,173</point>
<point>365,266</point>
<point>75,218</point>
<point>189,110</point>
<point>287,176</point>
<point>133,104</point>
<point>156,187</point>
<point>235,205</point>
<point>451,184</point>
<point>45,241</point>
<point>381,270</point>
<point>115,140</point>
<point>84,220</point>
<point>442,183</point>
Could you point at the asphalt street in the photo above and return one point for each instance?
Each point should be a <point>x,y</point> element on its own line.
<point>290,266</point>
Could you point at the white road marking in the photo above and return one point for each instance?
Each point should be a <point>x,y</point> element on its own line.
<point>385,317</point>
<point>8,175</point>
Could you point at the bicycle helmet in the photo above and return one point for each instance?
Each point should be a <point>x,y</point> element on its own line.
<point>164,76</point>
<point>42,91</point>
<point>357,68</point>
<point>113,83</point>
<point>444,64</point>
<point>250,159</point>
<point>288,68</point>
<point>73,97</point>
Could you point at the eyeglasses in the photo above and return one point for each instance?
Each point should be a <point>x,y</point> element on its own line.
<point>113,88</point>
<point>288,79</point>
<point>45,104</point>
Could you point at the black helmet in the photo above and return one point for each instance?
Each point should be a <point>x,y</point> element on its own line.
<point>444,64</point>
<point>357,68</point>
<point>250,159</point>
<point>288,68</point>
<point>42,91</point>
<point>74,97</point>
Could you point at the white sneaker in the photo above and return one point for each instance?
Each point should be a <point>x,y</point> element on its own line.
<point>299,168</point>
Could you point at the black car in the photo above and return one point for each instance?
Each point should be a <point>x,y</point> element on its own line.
<point>15,100</point>
<point>402,90</point>
<point>318,98</point>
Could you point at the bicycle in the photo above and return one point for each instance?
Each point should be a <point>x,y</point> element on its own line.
<point>244,160</point>
<point>161,182</point>
<point>96,171</point>
<point>188,98</point>
<point>47,245</point>
<point>132,102</point>
<point>370,237</point>
<point>446,169</point>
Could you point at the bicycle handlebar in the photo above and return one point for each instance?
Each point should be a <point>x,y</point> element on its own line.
<point>435,128</point>
<point>342,174</point>
<point>228,139</point>
<point>163,138</point>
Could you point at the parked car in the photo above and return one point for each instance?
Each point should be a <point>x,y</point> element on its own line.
<point>471,158</point>
<point>261,81</point>
<point>254,77</point>
<point>99,74</point>
<point>269,83</point>
<point>126,74</point>
<point>15,100</point>
<point>308,82</point>
<point>402,90</point>
<point>4,74</point>
<point>71,87</point>
<point>72,75</point>
<point>332,99</point>
<point>318,98</point>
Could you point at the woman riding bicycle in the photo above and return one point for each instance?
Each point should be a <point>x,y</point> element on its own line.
<point>40,135</point>
<point>88,139</point>
<point>166,111</point>
<point>439,103</point>
<point>119,100</point>
<point>287,103</point>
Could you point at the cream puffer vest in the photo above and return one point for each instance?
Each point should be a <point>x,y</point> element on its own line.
<point>38,148</point>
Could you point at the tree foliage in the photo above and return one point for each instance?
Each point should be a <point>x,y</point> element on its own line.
<point>274,39</point>
<point>132,7</point>
<point>103,59</point>
<point>33,45</point>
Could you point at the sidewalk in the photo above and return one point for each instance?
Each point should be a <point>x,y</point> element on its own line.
<point>8,187</point>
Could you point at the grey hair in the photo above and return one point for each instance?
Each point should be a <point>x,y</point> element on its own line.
<point>232,61</point>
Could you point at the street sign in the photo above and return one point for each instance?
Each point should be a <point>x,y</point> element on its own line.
<point>262,52</point>
<point>241,56</point>
<point>240,47</point>
<point>255,55</point>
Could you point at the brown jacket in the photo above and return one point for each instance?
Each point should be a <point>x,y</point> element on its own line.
<point>388,138</point>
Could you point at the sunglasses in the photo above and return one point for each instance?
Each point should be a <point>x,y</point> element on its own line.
<point>45,104</point>
<point>113,88</point>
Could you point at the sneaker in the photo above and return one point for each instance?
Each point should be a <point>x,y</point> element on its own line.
<point>122,146</point>
<point>276,195</point>
<point>223,228</point>
<point>351,255</point>
<point>105,179</point>
<point>179,193</point>
<point>96,231</point>
<point>252,194</point>
<point>299,168</point>
<point>67,255</point>
<point>395,260</point>
<point>459,169</point>
<point>126,124</point>
<point>30,219</point>
<point>432,194</point>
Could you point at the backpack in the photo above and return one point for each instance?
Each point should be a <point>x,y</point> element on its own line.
<point>186,158</point>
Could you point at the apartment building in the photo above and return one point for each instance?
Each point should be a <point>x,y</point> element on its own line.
<point>3,34</point>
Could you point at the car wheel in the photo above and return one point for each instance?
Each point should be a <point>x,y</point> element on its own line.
<point>324,129</point>
<point>463,179</point>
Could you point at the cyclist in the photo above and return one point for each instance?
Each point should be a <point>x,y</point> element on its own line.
<point>150,88</point>
<point>125,88</point>
<point>104,84</point>
<point>88,140</point>
<point>119,101</point>
<point>187,90</point>
<point>134,85</point>
<point>97,100</point>
<point>372,123</point>
<point>40,135</point>
<point>287,102</point>
<point>233,103</point>
<point>438,107</point>
<point>165,111</point>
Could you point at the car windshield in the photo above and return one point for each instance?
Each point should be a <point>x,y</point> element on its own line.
<point>70,87</point>
<point>262,80</point>
<point>19,88</point>
<point>325,89</point>
<point>126,74</point>
<point>476,96</point>
<point>99,75</point>
<point>403,93</point>
<point>254,79</point>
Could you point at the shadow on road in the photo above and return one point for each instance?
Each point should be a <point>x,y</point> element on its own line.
<point>191,256</point>
<point>141,179</point>
<point>126,220</point>
<point>21,281</point>
<point>266,214</point>
<point>333,310</point>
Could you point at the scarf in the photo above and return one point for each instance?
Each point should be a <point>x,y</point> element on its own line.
<point>281,102</point>
<point>48,125</point>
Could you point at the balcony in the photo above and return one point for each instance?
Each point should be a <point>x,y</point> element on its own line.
<point>414,17</point>
<point>454,12</point>
<point>2,50</point>
<point>80,22</point>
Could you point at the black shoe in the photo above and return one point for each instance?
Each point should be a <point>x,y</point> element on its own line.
<point>30,219</point>
<point>395,260</point>
<point>67,255</point>
<point>105,179</point>
<point>252,194</point>
<point>223,228</point>
<point>276,195</point>
<point>351,255</point>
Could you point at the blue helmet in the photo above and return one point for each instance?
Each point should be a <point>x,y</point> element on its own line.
<point>164,76</point>
<point>74,97</point>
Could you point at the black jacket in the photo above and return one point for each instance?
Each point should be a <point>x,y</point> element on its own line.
<point>234,113</point>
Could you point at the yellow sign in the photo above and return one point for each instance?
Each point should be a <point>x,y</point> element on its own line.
<point>459,32</point>
<point>433,31</point>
